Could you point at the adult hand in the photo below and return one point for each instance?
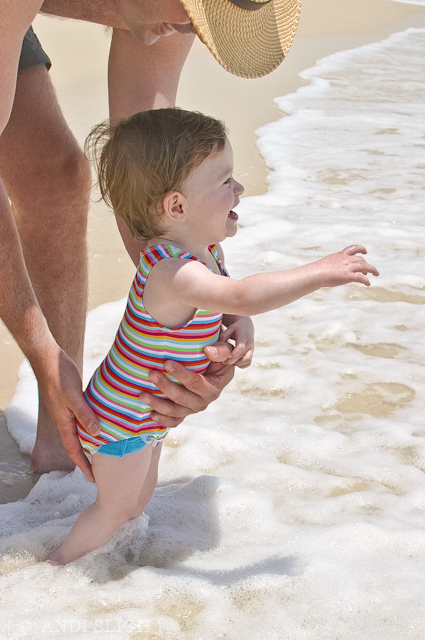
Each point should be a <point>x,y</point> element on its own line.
<point>194,394</point>
<point>61,390</point>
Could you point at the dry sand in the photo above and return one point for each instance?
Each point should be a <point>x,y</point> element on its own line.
<point>79,53</point>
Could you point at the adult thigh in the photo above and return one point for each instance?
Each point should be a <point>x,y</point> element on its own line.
<point>40,160</point>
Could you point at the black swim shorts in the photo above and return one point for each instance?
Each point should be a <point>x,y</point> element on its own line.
<point>32,52</point>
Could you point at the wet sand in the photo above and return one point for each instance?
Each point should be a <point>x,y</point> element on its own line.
<point>79,53</point>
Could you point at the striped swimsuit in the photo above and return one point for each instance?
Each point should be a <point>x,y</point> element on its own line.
<point>140,345</point>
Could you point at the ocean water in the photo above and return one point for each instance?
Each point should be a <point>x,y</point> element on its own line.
<point>421,3</point>
<point>294,507</point>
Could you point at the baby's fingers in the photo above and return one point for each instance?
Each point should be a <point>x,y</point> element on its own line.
<point>361,270</point>
<point>361,279</point>
<point>369,268</point>
<point>246,360</point>
<point>353,249</point>
<point>238,352</point>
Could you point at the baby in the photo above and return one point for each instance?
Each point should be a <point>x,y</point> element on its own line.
<point>169,174</point>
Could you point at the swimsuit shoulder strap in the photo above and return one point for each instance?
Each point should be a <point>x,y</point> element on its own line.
<point>214,252</point>
<point>150,256</point>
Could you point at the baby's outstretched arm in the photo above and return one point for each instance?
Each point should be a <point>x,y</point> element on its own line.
<point>192,284</point>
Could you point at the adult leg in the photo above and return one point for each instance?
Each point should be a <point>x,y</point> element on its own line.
<point>48,182</point>
<point>119,482</point>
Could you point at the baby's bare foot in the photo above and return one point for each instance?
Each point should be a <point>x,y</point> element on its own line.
<point>55,557</point>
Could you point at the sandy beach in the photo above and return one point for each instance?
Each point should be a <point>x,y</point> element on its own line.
<point>79,54</point>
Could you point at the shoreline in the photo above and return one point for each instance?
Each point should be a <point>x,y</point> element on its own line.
<point>326,27</point>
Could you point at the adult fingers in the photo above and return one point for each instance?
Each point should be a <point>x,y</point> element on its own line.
<point>75,451</point>
<point>81,461</point>
<point>166,407</point>
<point>219,352</point>
<point>196,385</point>
<point>86,416</point>
<point>190,393</point>
<point>88,420</point>
<point>166,421</point>
<point>195,395</point>
<point>218,375</point>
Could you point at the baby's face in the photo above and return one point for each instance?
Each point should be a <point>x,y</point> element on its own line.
<point>213,193</point>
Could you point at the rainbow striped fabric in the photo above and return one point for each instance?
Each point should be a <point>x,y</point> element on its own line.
<point>140,345</point>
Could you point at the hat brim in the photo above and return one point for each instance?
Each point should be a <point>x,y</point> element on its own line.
<point>249,44</point>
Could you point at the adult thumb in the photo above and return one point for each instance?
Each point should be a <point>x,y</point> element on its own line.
<point>219,352</point>
<point>87,418</point>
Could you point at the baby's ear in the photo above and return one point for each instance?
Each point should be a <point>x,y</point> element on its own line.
<point>175,206</point>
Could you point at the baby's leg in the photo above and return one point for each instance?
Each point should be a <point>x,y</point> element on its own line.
<point>149,483</point>
<point>120,485</point>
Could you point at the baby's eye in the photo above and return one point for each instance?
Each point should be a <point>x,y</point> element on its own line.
<point>228,180</point>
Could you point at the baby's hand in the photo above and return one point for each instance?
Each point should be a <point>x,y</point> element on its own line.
<point>241,331</point>
<point>346,266</point>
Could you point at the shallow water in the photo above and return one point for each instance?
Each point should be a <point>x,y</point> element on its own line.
<point>294,507</point>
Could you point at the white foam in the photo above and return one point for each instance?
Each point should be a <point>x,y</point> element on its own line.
<point>294,507</point>
<point>421,3</point>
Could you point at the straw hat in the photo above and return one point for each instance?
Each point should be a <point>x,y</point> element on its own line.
<point>249,38</point>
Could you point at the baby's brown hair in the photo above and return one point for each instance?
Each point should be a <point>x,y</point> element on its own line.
<point>141,159</point>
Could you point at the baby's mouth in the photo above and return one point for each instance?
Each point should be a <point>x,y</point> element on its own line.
<point>233,215</point>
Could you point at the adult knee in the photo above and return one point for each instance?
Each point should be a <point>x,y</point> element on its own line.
<point>57,186</point>
<point>75,168</point>
<point>68,178</point>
